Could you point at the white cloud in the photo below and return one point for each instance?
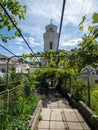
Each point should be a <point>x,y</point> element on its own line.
<point>75,10</point>
<point>40,12</point>
<point>38,15</point>
<point>18,40</point>
<point>45,8</point>
<point>32,42</point>
<point>70,43</point>
<point>36,30</point>
<point>52,9</point>
<point>20,47</point>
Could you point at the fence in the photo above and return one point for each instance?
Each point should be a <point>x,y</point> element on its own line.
<point>9,97</point>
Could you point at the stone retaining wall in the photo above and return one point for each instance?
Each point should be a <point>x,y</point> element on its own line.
<point>35,120</point>
<point>72,102</point>
<point>88,115</point>
<point>86,112</point>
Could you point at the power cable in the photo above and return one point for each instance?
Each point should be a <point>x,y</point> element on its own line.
<point>79,16</point>
<point>7,49</point>
<point>85,5</point>
<point>90,9</point>
<point>61,21</point>
<point>88,21</point>
<point>17,28</point>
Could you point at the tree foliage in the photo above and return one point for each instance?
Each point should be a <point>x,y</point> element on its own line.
<point>16,11</point>
<point>95,101</point>
<point>92,29</point>
<point>82,57</point>
<point>87,51</point>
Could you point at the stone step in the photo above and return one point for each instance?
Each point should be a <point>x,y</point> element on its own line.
<point>61,119</point>
<point>56,103</point>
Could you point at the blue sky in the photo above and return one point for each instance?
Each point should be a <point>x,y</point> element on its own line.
<point>38,15</point>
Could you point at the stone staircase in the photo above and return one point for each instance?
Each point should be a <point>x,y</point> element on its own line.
<point>57,114</point>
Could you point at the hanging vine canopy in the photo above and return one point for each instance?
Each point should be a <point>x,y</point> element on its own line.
<point>50,58</point>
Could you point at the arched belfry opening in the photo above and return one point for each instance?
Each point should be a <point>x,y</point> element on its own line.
<point>50,37</point>
<point>51,45</point>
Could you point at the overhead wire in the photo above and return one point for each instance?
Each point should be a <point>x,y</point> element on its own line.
<point>85,4</point>
<point>75,33</point>
<point>82,13</point>
<point>7,50</point>
<point>90,9</point>
<point>79,17</point>
<point>61,21</point>
<point>89,42</point>
<point>89,17</point>
<point>17,28</point>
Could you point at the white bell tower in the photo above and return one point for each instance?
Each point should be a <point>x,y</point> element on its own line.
<point>51,37</point>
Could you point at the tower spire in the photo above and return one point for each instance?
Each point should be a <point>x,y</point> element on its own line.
<point>50,21</point>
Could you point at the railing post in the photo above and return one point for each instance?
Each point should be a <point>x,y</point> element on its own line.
<point>88,91</point>
<point>7,84</point>
<point>8,98</point>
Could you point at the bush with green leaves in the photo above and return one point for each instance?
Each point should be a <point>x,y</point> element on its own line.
<point>22,104</point>
<point>94,101</point>
<point>79,90</point>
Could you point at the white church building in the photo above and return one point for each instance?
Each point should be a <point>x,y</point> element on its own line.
<point>50,37</point>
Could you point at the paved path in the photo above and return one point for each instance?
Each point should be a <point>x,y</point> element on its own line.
<point>57,114</point>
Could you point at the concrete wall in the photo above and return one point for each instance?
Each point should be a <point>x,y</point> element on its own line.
<point>88,115</point>
<point>34,120</point>
<point>4,67</point>
<point>85,111</point>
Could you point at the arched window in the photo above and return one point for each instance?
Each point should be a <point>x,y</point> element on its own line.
<point>51,29</point>
<point>51,45</point>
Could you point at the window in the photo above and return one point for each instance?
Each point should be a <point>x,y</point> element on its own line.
<point>51,45</point>
<point>51,29</point>
<point>96,72</point>
<point>3,70</point>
